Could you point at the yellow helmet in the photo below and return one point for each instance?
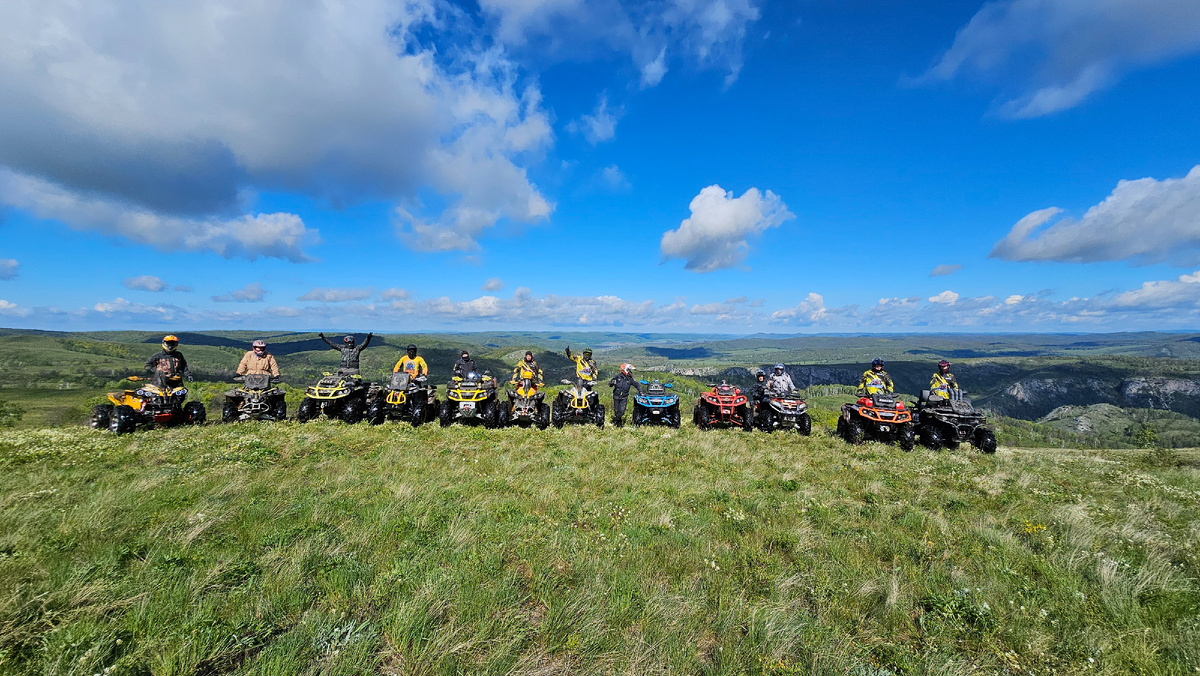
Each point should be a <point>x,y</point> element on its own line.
<point>170,342</point>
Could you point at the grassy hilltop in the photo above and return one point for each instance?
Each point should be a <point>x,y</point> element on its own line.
<point>281,548</point>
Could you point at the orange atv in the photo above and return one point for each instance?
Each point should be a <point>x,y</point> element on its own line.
<point>880,416</point>
<point>723,405</point>
<point>156,403</point>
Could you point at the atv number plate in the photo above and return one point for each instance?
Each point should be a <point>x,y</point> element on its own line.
<point>885,428</point>
<point>656,412</point>
<point>468,405</point>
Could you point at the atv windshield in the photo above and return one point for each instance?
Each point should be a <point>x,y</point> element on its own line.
<point>257,381</point>
<point>399,381</point>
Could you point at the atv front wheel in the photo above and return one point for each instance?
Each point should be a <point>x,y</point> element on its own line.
<point>931,437</point>
<point>703,418</point>
<point>309,409</point>
<point>417,417</point>
<point>375,412</point>
<point>673,416</point>
<point>229,411</point>
<point>543,420</point>
<point>194,413</point>
<point>123,420</point>
<point>557,418</point>
<point>353,411</point>
<point>744,411</point>
<point>600,416</point>
<point>804,424</point>
<point>853,432</point>
<point>906,438</point>
<point>101,417</point>
<point>446,414</point>
<point>985,440</point>
<point>279,410</point>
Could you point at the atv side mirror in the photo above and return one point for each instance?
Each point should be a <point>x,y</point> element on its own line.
<point>134,379</point>
<point>669,385</point>
<point>564,381</point>
<point>644,381</point>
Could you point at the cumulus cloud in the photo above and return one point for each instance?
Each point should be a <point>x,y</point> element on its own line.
<point>943,270</point>
<point>653,33</point>
<point>277,235</point>
<point>600,125</point>
<point>9,268</point>
<point>168,117</point>
<point>946,297</point>
<point>5,305</point>
<point>323,295</point>
<point>493,284</point>
<point>145,283</point>
<point>394,293</point>
<point>251,293</point>
<point>1143,221</point>
<point>715,236</point>
<point>809,311</point>
<point>613,178</point>
<point>1057,53</point>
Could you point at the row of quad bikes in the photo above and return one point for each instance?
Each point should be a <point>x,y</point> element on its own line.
<point>936,421</point>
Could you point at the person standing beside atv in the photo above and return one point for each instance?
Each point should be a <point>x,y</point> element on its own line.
<point>875,380</point>
<point>168,366</point>
<point>350,352</point>
<point>943,381</point>
<point>464,366</point>
<point>620,396</point>
<point>780,382</point>
<point>528,368</point>
<point>759,391</point>
<point>585,367</point>
<point>411,364</point>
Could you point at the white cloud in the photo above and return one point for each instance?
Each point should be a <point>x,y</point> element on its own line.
<point>809,311</point>
<point>394,293</point>
<point>277,235</point>
<point>943,270</point>
<point>946,297</point>
<point>145,283</point>
<point>5,305</point>
<point>1058,52</point>
<point>323,295</point>
<point>493,284</point>
<point>1143,221</point>
<point>169,116</point>
<point>703,33</point>
<point>251,293</point>
<point>613,178</point>
<point>600,125</point>
<point>9,268</point>
<point>715,236</point>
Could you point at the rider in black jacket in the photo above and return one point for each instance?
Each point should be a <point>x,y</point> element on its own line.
<point>168,366</point>
<point>621,384</point>
<point>350,352</point>
<point>465,365</point>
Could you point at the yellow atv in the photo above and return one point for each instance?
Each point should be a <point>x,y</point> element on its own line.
<point>471,399</point>
<point>403,398</point>
<point>341,396</point>
<point>525,406</point>
<point>578,403</point>
<point>154,403</point>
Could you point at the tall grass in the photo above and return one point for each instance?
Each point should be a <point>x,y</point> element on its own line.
<point>290,549</point>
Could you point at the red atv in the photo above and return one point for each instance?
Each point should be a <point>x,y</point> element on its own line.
<point>880,416</point>
<point>724,404</point>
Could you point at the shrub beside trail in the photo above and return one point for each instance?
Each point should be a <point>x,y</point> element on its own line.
<point>282,548</point>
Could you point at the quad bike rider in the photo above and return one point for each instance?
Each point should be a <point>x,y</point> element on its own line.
<point>160,401</point>
<point>341,394</point>
<point>781,406</point>
<point>470,398</point>
<point>526,402</point>
<point>579,403</point>
<point>407,396</point>
<point>723,405</point>
<point>945,416</point>
<point>656,406</point>
<point>877,413</point>
<point>256,399</point>
<point>620,396</point>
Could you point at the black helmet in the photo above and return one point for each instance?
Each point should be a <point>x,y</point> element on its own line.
<point>349,340</point>
<point>528,355</point>
<point>760,374</point>
<point>876,362</point>
<point>412,350</point>
<point>587,352</point>
<point>465,354</point>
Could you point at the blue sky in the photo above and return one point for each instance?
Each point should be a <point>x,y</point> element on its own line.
<point>729,166</point>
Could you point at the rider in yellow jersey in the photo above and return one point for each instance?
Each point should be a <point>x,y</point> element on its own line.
<point>585,367</point>
<point>943,381</point>
<point>411,364</point>
<point>528,368</point>
<point>875,380</point>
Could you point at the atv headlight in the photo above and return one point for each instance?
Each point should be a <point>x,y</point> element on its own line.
<point>182,392</point>
<point>140,393</point>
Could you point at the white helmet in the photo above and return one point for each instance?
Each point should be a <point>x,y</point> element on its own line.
<point>627,368</point>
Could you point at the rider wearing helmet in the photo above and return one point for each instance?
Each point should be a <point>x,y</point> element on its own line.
<point>464,367</point>
<point>528,368</point>
<point>875,379</point>
<point>411,364</point>
<point>350,352</point>
<point>780,382</point>
<point>620,397</point>
<point>759,391</point>
<point>168,366</point>
<point>585,367</point>
<point>943,381</point>
<point>258,361</point>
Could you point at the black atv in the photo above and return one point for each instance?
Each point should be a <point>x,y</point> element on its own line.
<point>341,395</point>
<point>256,399</point>
<point>778,411</point>
<point>880,416</point>
<point>525,406</point>
<point>578,403</point>
<point>404,398</point>
<point>471,399</point>
<point>948,422</point>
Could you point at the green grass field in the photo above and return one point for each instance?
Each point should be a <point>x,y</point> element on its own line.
<point>327,549</point>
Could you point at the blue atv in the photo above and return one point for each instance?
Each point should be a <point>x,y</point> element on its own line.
<point>656,406</point>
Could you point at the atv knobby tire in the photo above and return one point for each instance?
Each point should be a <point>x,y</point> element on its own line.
<point>309,409</point>
<point>353,411</point>
<point>229,411</point>
<point>853,432</point>
<point>906,437</point>
<point>931,438</point>
<point>600,416</point>
<point>446,414</point>
<point>804,424</point>
<point>101,417</point>
<point>985,440</point>
<point>557,417</point>
<point>194,413</point>
<point>123,420</point>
